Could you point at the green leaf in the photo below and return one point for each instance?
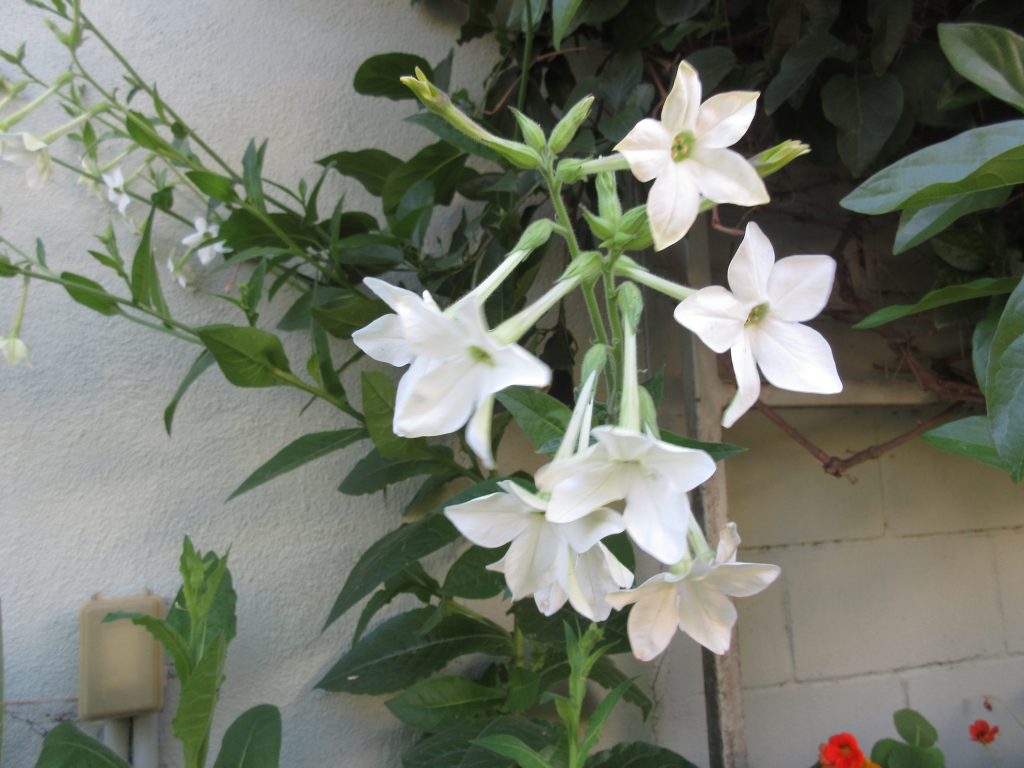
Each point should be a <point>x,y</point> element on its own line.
<point>444,702</point>
<point>379,75</point>
<point>523,689</point>
<point>951,294</point>
<point>882,749</point>
<point>379,411</point>
<point>374,473</point>
<point>344,312</point>
<point>638,754</point>
<point>541,417</point>
<point>198,700</point>
<point>454,748</point>
<point>145,282</point>
<point>865,109</point>
<point>412,579</point>
<point>717,451</point>
<point>248,357</point>
<point>607,675</point>
<point>165,634</point>
<point>253,740</point>
<point>990,57</point>
<point>601,714</point>
<point>970,437</point>
<point>438,126</point>
<point>370,167</point>
<point>397,653</point>
<point>914,729</point>
<point>799,64</point>
<point>219,599</point>
<point>252,174</point>
<point>562,13</point>
<point>67,747</point>
<point>204,361</point>
<point>89,294</point>
<point>919,224</point>
<point>981,342</point>
<point>469,578</point>
<point>906,756</point>
<point>298,452</point>
<point>1005,387</point>
<point>142,133</point>
<point>514,749</point>
<point>440,163</point>
<point>888,20</point>
<point>712,64</point>
<point>213,184</point>
<point>973,161</point>
<point>389,555</point>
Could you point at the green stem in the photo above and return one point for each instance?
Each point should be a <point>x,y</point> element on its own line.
<point>626,267</point>
<point>19,315</point>
<point>295,381</point>
<point>527,55</point>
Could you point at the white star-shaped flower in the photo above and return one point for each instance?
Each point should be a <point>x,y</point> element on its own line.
<point>760,321</point>
<point>206,232</point>
<point>554,562</point>
<point>649,475</point>
<point>456,366</point>
<point>116,193</point>
<point>696,600</point>
<point>685,153</point>
<point>28,152</point>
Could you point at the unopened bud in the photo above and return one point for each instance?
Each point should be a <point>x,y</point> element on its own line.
<point>535,235</point>
<point>779,156</point>
<point>648,412</point>
<point>594,361</point>
<point>569,171</point>
<point>566,129</point>
<point>608,204</point>
<point>531,129</point>
<point>631,304</point>
<point>601,228</point>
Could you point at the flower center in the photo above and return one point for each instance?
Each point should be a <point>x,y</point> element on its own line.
<point>757,314</point>
<point>682,146</point>
<point>480,355</point>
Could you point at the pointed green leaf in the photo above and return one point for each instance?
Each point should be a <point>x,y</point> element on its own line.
<point>541,417</point>
<point>914,729</point>
<point>514,749</point>
<point>865,109</point>
<point>717,451</point>
<point>252,174</point>
<point>990,57</point>
<point>370,167</point>
<point>444,702</point>
<point>146,288</point>
<point>799,64</point>
<point>374,473</point>
<point>608,676</point>
<point>440,163</point>
<point>1004,392</point>
<point>67,747</point>
<point>951,294</point>
<point>638,754</point>
<point>204,361</point>
<point>248,357</point>
<point>454,747</point>
<point>165,634</point>
<point>412,579</point>
<point>920,224</point>
<point>562,14</point>
<point>213,184</point>
<point>970,437</point>
<point>89,294</point>
<point>380,75</point>
<point>469,578</point>
<point>379,411</point>
<point>298,452</point>
<point>194,716</point>
<point>253,740</point>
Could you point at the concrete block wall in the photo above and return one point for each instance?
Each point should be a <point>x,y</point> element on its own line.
<point>900,587</point>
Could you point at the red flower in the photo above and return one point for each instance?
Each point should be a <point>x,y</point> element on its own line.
<point>842,751</point>
<point>982,732</point>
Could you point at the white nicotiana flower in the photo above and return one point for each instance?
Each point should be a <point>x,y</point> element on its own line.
<point>554,562</point>
<point>206,232</point>
<point>693,597</point>
<point>116,192</point>
<point>456,365</point>
<point>685,153</point>
<point>180,270</point>
<point>649,475</point>
<point>14,350</point>
<point>28,152</point>
<point>760,321</point>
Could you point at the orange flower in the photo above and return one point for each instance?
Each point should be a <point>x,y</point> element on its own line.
<point>841,751</point>
<point>982,732</point>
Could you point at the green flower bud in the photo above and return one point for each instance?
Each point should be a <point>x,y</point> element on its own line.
<point>535,235</point>
<point>608,204</point>
<point>570,123</point>
<point>569,171</point>
<point>779,156</point>
<point>631,304</point>
<point>648,412</point>
<point>594,361</point>
<point>531,129</point>
<point>601,228</point>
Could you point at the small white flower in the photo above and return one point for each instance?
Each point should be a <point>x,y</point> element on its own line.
<point>206,232</point>
<point>456,365</point>
<point>554,562</point>
<point>649,475</point>
<point>760,321</point>
<point>180,271</point>
<point>14,350</point>
<point>28,152</point>
<point>115,190</point>
<point>695,600</point>
<point>685,153</point>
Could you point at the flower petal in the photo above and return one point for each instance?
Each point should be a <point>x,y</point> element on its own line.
<point>725,117</point>
<point>728,543</point>
<point>584,533</point>
<point>748,382</point>
<point>490,521</point>
<point>795,357</point>
<point>683,101</point>
<point>751,266</point>
<point>550,598</point>
<point>726,177</point>
<point>742,579</point>
<point>478,431</point>
<point>706,615</point>
<point>585,487</point>
<point>590,578</point>
<point>658,517</point>
<point>647,148</point>
<point>672,206</point>
<point>435,397</point>
<point>715,315</point>
<point>799,287</point>
<point>513,365</point>
<point>384,340</point>
<point>531,560</point>
<point>392,295</point>
<point>652,622</point>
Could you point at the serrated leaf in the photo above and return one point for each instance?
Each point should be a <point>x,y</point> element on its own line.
<point>397,653</point>
<point>444,702</point>
<point>541,417</point>
<point>970,437</point>
<point>380,75</point>
<point>370,167</point>
<point>204,361</point>
<point>973,161</point>
<point>298,452</point>
<point>253,740</point>
<point>89,294</point>
<point>951,294</point>
<point>866,110</point>
<point>990,57</point>
<point>920,224</point>
<point>67,747</point>
<point>248,357</point>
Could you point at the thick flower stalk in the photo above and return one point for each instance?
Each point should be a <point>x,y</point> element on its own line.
<point>686,155</point>
<point>760,321</point>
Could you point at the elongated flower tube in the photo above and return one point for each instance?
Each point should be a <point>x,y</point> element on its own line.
<point>760,321</point>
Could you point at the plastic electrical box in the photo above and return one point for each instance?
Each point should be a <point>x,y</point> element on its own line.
<point>120,664</point>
